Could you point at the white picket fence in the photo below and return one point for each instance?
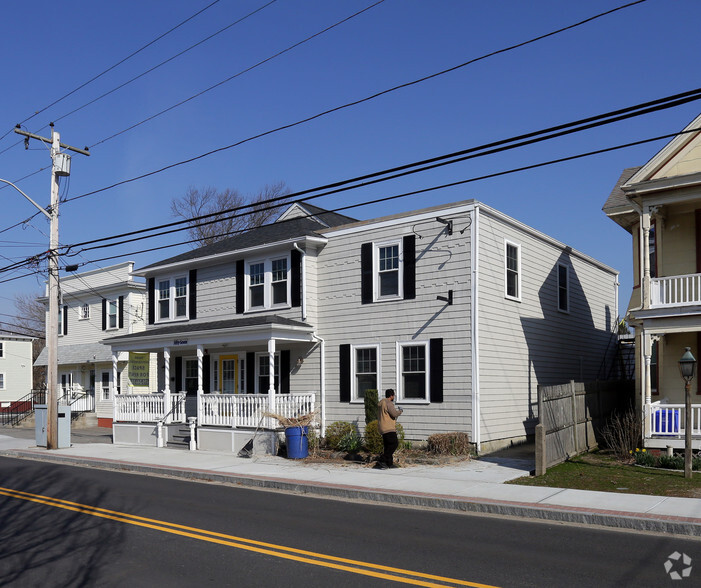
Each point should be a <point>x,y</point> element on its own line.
<point>670,419</point>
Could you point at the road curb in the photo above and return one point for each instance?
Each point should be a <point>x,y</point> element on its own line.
<point>577,515</point>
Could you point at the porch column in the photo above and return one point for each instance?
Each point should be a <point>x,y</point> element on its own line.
<point>645,261</point>
<point>166,384</point>
<point>114,393</point>
<point>271,386</point>
<point>647,382</point>
<point>200,379</point>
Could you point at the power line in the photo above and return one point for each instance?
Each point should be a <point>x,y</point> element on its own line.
<point>120,62</point>
<point>238,74</point>
<point>447,159</point>
<point>349,104</point>
<point>404,194</point>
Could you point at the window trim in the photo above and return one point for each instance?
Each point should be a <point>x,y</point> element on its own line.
<point>427,374</point>
<point>2,349</point>
<point>109,315</point>
<point>566,267</point>
<point>61,312</point>
<point>267,263</point>
<point>84,313</point>
<point>519,274</point>
<point>376,246</point>
<point>172,298</point>
<point>3,381</point>
<point>378,369</point>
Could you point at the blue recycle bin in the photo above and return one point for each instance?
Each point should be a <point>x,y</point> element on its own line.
<point>297,442</point>
<point>667,421</point>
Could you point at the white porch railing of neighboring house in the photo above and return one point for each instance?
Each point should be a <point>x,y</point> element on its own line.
<point>675,290</point>
<point>670,419</point>
<point>246,410</point>
<point>148,408</point>
<point>79,399</point>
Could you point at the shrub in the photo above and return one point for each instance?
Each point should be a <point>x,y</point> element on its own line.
<point>671,462</point>
<point>312,438</point>
<point>350,442</point>
<point>449,444</point>
<point>370,399</point>
<point>336,431</point>
<point>644,458</point>
<point>373,439</point>
<point>622,433</point>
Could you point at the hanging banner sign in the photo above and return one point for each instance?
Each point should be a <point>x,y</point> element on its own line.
<point>138,369</point>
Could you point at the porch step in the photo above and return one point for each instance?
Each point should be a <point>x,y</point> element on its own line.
<point>179,437</point>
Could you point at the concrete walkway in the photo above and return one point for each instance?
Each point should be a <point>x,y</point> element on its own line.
<point>474,486</point>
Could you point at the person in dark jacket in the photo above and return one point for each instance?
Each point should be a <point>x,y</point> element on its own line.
<point>387,415</point>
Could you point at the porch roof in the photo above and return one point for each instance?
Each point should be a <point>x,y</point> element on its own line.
<point>250,329</point>
<point>77,354</point>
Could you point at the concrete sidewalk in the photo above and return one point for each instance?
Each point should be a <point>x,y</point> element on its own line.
<point>474,486</point>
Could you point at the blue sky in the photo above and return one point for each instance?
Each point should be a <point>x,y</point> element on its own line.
<point>641,53</point>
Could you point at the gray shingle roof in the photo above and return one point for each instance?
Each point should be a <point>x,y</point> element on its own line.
<point>77,354</point>
<point>617,199</point>
<point>279,231</point>
<point>225,325</point>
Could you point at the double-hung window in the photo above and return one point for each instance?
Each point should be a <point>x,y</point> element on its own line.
<point>388,270</point>
<point>563,288</point>
<point>172,295</point>
<point>85,311</point>
<point>60,320</point>
<point>112,316</point>
<point>2,381</point>
<point>2,349</point>
<point>366,370</point>
<point>512,268</point>
<point>268,283</point>
<point>263,380</point>
<point>413,371</point>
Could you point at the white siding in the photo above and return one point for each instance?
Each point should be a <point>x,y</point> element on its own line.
<point>16,368</point>
<point>527,343</point>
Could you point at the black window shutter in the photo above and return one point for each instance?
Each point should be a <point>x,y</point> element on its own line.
<point>178,374</point>
<point>205,373</point>
<point>240,269</point>
<point>366,273</point>
<point>296,285</point>
<point>344,372</point>
<point>409,247</point>
<point>192,302</point>
<point>104,314</point>
<point>285,371</point>
<point>121,312</point>
<point>151,303</point>
<point>65,320</point>
<point>435,350</point>
<point>250,373</point>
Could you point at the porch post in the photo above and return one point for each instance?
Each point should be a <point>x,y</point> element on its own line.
<point>647,383</point>
<point>271,386</point>
<point>166,384</point>
<point>200,379</point>
<point>114,376</point>
<point>645,268</point>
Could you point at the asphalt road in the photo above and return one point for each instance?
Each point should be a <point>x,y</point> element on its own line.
<point>70,526</point>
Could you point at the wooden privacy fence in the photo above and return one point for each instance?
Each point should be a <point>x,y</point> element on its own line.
<point>572,416</point>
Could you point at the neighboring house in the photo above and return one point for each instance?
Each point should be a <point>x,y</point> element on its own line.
<point>16,372</point>
<point>660,205</point>
<point>461,309</point>
<point>97,304</point>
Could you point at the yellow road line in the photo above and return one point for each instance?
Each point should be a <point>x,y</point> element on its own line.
<point>294,554</point>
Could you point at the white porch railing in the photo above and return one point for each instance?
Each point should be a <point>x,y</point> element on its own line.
<point>675,291</point>
<point>148,408</point>
<point>79,400</point>
<point>670,419</point>
<point>246,410</point>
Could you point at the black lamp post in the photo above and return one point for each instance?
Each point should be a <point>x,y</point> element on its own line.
<point>687,368</point>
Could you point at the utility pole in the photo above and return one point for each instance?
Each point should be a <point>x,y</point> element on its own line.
<point>60,166</point>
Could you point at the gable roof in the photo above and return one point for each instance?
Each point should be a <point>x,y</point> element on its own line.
<point>304,220</point>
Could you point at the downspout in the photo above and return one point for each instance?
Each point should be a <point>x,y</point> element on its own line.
<point>322,382</point>
<point>304,280</point>
<point>474,328</point>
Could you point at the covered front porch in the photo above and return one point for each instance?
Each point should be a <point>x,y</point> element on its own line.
<point>222,380</point>
<point>662,342</point>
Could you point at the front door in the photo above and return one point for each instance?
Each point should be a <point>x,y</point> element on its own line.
<point>229,373</point>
